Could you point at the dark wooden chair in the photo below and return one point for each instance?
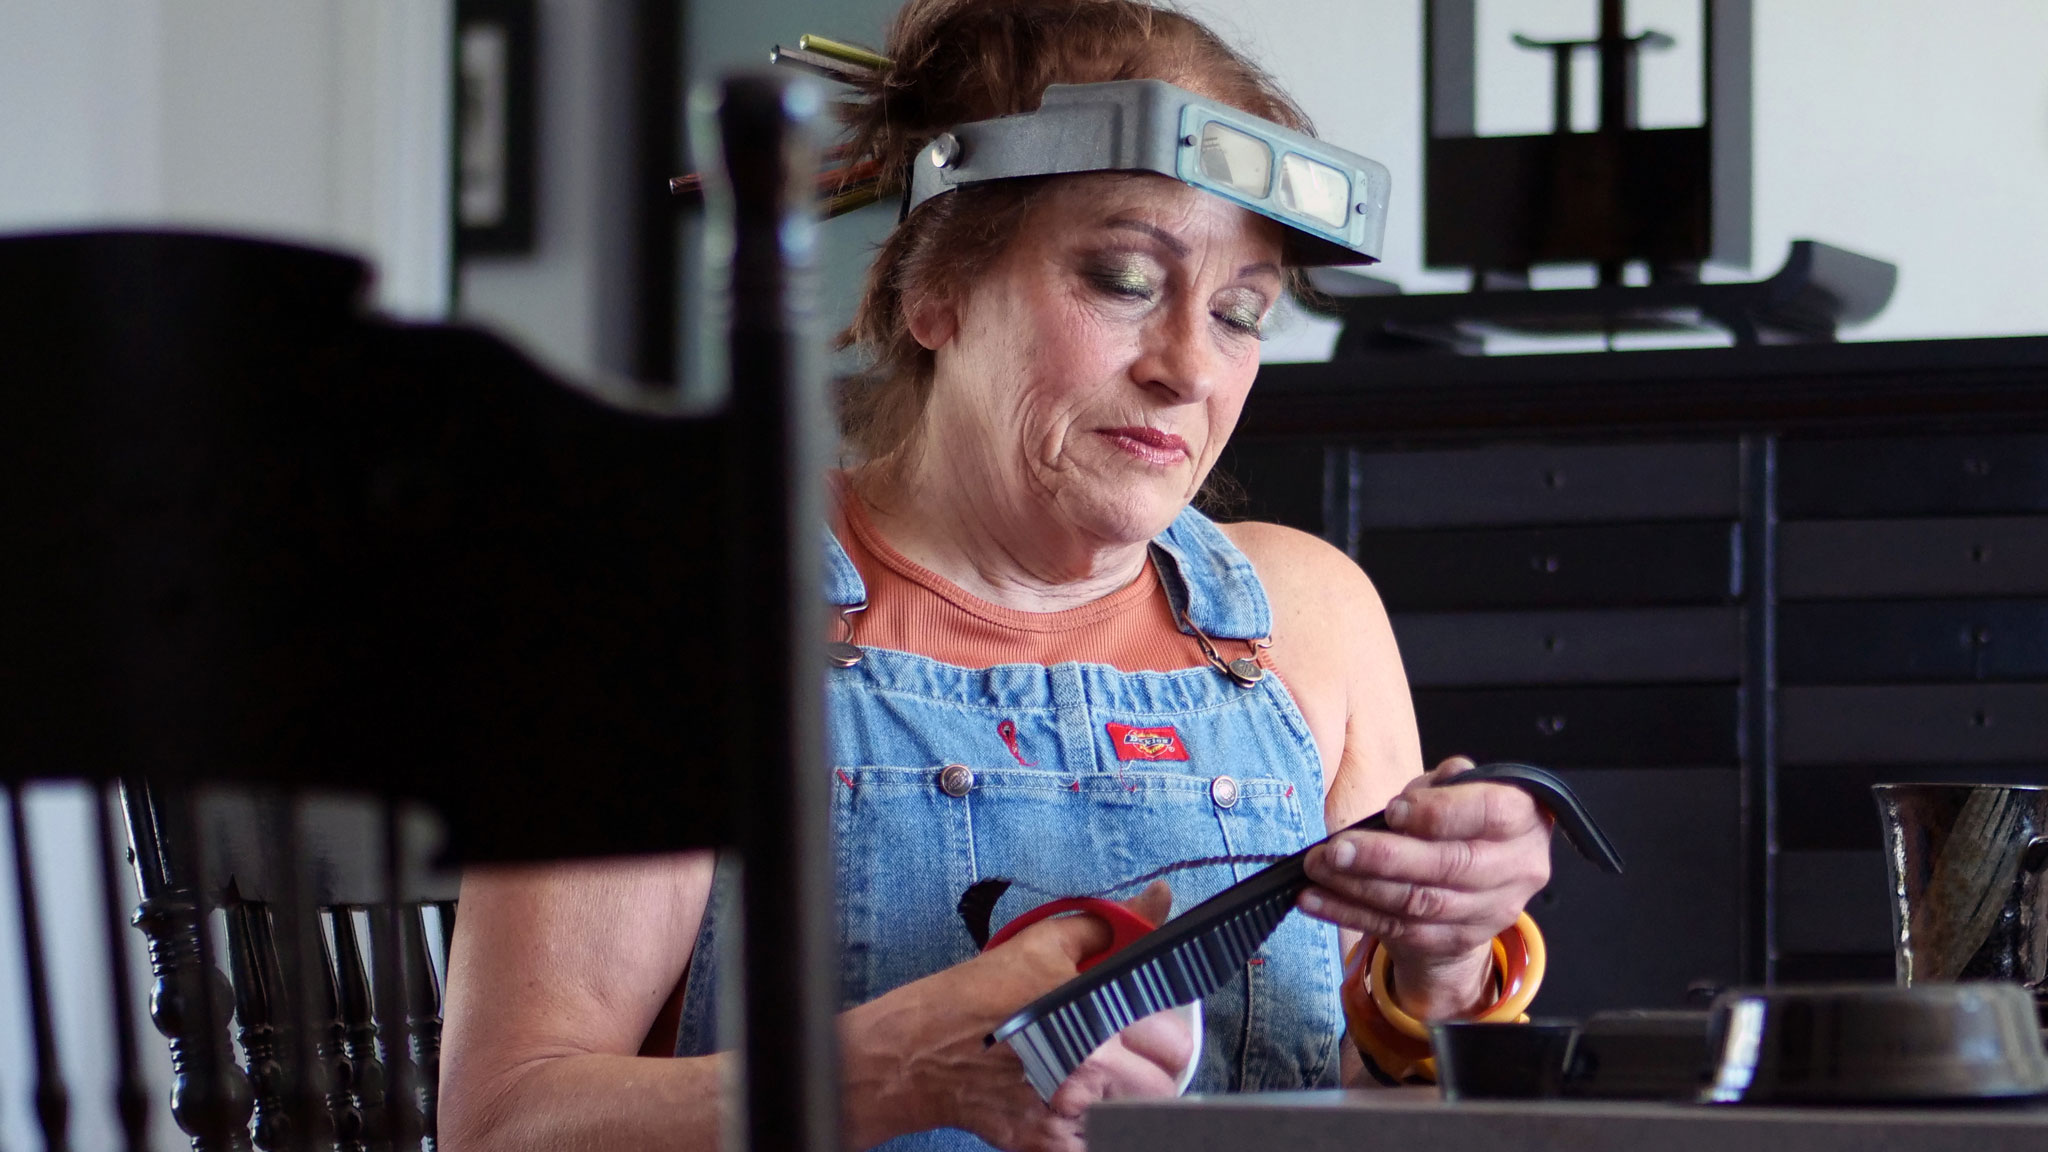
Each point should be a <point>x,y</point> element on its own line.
<point>275,548</point>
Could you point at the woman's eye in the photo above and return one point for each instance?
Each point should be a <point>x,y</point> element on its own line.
<point>1128,284</point>
<point>1244,317</point>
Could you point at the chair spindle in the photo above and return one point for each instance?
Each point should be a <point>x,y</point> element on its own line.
<point>53,1101</point>
<point>403,1101</point>
<point>422,1019</point>
<point>259,1002</point>
<point>362,1069</point>
<point>330,1050</point>
<point>190,1002</point>
<point>131,1095</point>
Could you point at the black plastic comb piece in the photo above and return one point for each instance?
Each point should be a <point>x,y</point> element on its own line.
<point>1200,950</point>
<point>978,906</point>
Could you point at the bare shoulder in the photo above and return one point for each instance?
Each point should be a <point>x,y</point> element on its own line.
<point>1335,650</point>
<point>1306,575</point>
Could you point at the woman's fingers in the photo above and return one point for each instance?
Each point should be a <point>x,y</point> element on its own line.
<point>1117,1071</point>
<point>1164,1039</point>
<point>1357,858</point>
<point>1466,812</point>
<point>1155,903</point>
<point>1436,937</point>
<point>1456,866</point>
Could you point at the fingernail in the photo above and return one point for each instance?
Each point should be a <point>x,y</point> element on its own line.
<point>1397,811</point>
<point>1342,853</point>
<point>1310,902</point>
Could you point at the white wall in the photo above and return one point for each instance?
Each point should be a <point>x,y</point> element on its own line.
<point>1915,131</point>
<point>562,301</point>
<point>311,121</point>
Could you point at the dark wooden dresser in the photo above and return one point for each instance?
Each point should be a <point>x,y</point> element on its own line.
<point>1723,590</point>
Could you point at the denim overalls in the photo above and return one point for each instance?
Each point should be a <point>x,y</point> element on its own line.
<point>1068,779</point>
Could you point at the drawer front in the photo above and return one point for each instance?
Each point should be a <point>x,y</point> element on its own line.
<point>1615,565</point>
<point>1847,643</point>
<point>1545,484</point>
<point>1913,724</point>
<point>1833,902</point>
<point>1584,647</point>
<point>1992,556</point>
<point>1581,726</point>
<point>1903,477</point>
<point>1624,941</point>
<point>1830,808</point>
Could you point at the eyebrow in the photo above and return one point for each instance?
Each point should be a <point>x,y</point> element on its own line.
<point>1179,248</point>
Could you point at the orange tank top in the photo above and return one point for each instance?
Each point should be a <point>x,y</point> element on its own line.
<point>914,609</point>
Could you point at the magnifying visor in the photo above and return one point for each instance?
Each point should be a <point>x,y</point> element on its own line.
<point>1333,202</point>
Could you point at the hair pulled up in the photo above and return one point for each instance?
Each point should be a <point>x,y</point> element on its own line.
<point>958,61</point>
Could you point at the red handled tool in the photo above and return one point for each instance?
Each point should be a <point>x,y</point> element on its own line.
<point>1124,924</point>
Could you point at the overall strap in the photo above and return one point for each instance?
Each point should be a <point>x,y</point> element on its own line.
<point>843,586</point>
<point>1209,582</point>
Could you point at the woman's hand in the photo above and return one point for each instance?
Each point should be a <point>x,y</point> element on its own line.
<point>915,1058</point>
<point>1455,869</point>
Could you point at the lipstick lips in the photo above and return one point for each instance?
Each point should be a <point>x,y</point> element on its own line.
<point>1150,444</point>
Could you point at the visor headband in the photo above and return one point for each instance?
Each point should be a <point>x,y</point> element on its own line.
<point>1333,202</point>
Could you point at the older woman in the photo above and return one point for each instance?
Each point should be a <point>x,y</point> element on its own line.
<point>1065,676</point>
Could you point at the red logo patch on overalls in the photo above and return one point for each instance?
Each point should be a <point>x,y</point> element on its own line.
<point>1146,743</point>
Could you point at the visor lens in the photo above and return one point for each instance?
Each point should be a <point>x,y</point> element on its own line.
<point>1237,160</point>
<point>1317,191</point>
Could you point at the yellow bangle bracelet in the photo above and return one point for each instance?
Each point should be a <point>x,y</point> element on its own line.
<point>1520,960</point>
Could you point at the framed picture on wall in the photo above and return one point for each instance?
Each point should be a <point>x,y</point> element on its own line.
<point>495,76</point>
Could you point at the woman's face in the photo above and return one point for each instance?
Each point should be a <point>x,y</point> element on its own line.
<point>1096,371</point>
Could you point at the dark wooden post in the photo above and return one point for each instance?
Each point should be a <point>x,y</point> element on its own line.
<point>361,1067</point>
<point>765,125</point>
<point>190,1001</point>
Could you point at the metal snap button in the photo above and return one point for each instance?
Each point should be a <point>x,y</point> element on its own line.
<point>1223,790</point>
<point>956,779</point>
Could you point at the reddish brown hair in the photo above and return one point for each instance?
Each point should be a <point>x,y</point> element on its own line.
<point>957,61</point>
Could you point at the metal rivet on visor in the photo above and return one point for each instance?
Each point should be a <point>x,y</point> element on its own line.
<point>945,149</point>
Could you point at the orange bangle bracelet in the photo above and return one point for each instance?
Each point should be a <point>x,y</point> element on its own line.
<point>1393,1039</point>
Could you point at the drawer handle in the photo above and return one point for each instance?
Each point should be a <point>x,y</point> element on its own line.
<point>1544,562</point>
<point>1981,718</point>
<point>1979,553</point>
<point>1550,725</point>
<point>1976,466</point>
<point>1554,478</point>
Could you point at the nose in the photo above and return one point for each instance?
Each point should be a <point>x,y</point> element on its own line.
<point>1178,357</point>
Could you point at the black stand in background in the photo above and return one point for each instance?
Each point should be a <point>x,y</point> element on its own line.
<point>1669,198</point>
<point>255,536</point>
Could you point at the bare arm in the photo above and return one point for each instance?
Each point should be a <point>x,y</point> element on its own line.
<point>558,971</point>
<point>1458,864</point>
<point>556,974</point>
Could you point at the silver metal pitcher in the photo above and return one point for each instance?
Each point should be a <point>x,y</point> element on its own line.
<point>1969,897</point>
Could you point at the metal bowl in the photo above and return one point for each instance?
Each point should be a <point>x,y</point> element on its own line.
<point>1877,1043</point>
